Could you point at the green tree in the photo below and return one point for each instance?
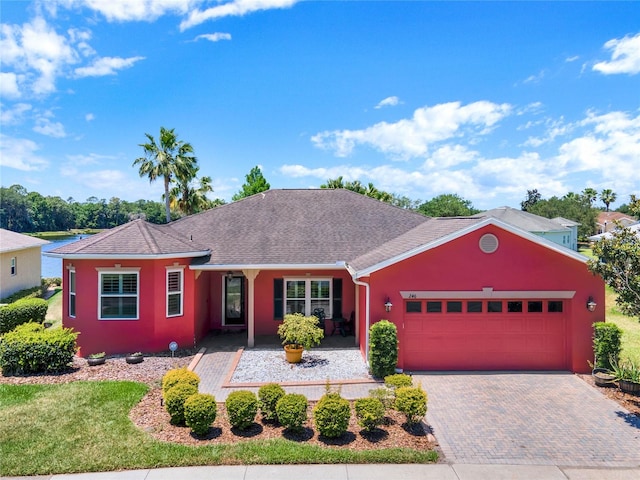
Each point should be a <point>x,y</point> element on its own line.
<point>590,194</point>
<point>334,183</point>
<point>571,206</point>
<point>14,209</point>
<point>169,159</point>
<point>617,261</point>
<point>255,183</point>
<point>190,196</point>
<point>607,196</point>
<point>533,197</point>
<point>447,205</point>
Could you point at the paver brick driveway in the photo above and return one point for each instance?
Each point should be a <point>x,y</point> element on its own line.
<point>529,418</point>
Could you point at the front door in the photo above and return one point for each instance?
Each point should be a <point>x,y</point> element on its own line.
<point>234,301</point>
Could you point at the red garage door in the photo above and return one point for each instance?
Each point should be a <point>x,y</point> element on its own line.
<point>484,335</point>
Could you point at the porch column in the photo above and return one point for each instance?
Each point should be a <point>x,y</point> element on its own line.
<point>251,275</point>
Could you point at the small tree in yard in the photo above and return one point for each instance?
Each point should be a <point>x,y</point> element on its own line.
<point>618,263</point>
<point>383,348</point>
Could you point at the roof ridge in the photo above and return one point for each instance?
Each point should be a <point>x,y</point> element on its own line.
<point>148,237</point>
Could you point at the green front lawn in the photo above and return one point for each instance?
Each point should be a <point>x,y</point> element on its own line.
<point>629,325</point>
<point>84,427</point>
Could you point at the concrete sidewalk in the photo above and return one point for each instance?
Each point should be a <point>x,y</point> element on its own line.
<point>361,472</point>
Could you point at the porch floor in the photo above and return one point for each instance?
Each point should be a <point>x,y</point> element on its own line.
<point>231,341</point>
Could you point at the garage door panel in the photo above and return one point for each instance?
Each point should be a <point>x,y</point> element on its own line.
<point>485,341</point>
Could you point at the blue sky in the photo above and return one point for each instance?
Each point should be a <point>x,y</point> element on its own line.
<point>482,99</point>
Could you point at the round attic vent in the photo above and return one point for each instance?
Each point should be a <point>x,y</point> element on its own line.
<point>488,243</point>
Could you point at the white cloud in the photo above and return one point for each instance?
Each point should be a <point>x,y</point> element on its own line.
<point>233,8</point>
<point>9,85</point>
<point>625,56</point>
<point>89,159</point>
<point>20,153</point>
<point>214,37</point>
<point>553,129</point>
<point>106,66</point>
<point>37,51</point>
<point>537,78</point>
<point>388,102</point>
<point>13,115</point>
<point>409,138</point>
<point>131,10</point>
<point>572,59</point>
<point>46,127</point>
<point>89,117</point>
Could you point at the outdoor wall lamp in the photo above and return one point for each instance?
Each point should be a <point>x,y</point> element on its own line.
<point>388,305</point>
<point>229,275</point>
<point>591,305</point>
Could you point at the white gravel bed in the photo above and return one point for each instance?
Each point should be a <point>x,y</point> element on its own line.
<point>256,366</point>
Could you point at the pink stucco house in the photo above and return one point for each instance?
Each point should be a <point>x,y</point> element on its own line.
<point>465,293</point>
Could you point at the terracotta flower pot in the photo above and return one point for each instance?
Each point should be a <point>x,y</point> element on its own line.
<point>293,354</point>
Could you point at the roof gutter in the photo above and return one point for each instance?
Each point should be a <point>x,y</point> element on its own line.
<point>130,256</point>
<point>367,303</point>
<point>265,266</point>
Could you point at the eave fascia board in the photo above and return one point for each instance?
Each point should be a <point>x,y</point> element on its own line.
<point>464,231</point>
<point>266,266</point>
<point>102,256</point>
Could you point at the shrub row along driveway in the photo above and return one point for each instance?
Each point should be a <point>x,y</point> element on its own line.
<point>529,418</point>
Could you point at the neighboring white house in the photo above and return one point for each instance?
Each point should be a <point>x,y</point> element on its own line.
<point>20,262</point>
<point>634,228</point>
<point>559,230</point>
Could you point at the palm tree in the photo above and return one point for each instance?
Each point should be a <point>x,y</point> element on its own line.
<point>191,197</point>
<point>607,196</point>
<point>591,194</point>
<point>170,159</point>
<point>333,183</point>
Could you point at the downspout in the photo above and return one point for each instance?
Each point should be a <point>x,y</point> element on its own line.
<point>367,295</point>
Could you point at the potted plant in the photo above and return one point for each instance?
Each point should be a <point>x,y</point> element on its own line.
<point>628,375</point>
<point>299,333</point>
<point>136,357</point>
<point>96,359</point>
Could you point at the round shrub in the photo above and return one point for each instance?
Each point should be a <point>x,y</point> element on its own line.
<point>29,348</point>
<point>200,412</point>
<point>21,312</point>
<point>179,375</point>
<point>268,396</point>
<point>383,348</point>
<point>369,412</point>
<point>398,380</point>
<point>412,401</point>
<point>385,395</point>
<point>331,415</point>
<point>292,411</point>
<point>242,407</point>
<point>174,401</point>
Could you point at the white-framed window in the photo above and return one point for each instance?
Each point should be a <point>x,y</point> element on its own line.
<point>175,282</point>
<point>72,292</point>
<point>304,295</point>
<point>14,266</point>
<point>118,292</point>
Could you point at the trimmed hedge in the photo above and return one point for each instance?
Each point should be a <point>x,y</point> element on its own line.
<point>268,396</point>
<point>174,400</point>
<point>331,415</point>
<point>412,401</point>
<point>398,380</point>
<point>606,344</point>
<point>200,411</point>
<point>29,348</point>
<point>383,348</point>
<point>21,312</point>
<point>179,375</point>
<point>369,412</point>
<point>292,411</point>
<point>242,407</point>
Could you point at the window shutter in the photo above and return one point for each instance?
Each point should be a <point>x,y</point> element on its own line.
<point>278,298</point>
<point>337,298</point>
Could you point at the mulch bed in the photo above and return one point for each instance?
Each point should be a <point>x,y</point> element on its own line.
<point>151,417</point>
<point>626,400</point>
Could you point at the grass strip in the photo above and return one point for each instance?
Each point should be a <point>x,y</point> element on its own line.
<point>84,427</point>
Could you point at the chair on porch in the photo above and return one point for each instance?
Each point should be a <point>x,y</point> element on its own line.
<point>320,315</point>
<point>344,326</point>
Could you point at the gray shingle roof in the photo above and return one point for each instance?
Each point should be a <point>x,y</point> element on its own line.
<point>524,220</point>
<point>136,238</point>
<point>13,241</point>
<point>424,234</point>
<point>309,227</point>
